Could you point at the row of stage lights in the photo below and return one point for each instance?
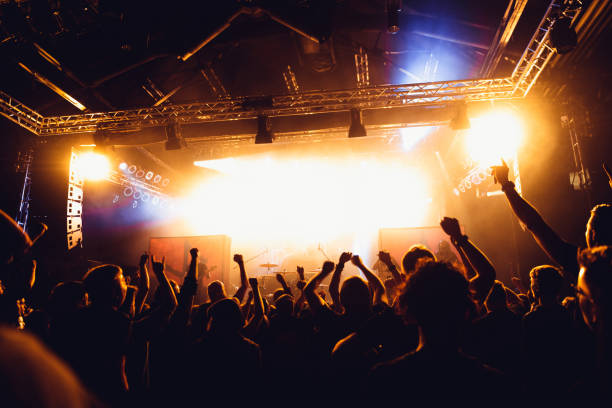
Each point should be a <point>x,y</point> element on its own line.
<point>145,186</point>
<point>474,178</point>
<point>139,173</point>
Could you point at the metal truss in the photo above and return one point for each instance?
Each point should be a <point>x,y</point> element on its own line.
<point>387,96</point>
<point>528,68</point>
<point>539,50</point>
<point>19,113</point>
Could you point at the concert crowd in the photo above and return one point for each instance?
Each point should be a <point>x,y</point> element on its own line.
<point>434,333</point>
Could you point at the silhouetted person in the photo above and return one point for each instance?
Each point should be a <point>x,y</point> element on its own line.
<point>224,362</point>
<point>598,228</point>
<point>436,295</point>
<point>594,291</point>
<point>104,332</point>
<point>414,255</point>
<point>496,336</point>
<point>549,336</point>
<point>32,376</point>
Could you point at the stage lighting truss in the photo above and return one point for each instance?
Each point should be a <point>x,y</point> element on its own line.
<point>535,57</point>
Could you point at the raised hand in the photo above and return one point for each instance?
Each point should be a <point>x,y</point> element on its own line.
<point>328,266</point>
<point>158,267</point>
<point>300,271</point>
<point>385,258</point>
<point>345,257</point>
<point>451,227</point>
<point>500,173</point>
<point>144,259</point>
<point>280,278</point>
<point>300,284</point>
<point>253,282</point>
<point>195,253</point>
<point>238,259</point>
<point>356,260</point>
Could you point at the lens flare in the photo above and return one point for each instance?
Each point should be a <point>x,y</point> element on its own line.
<point>93,166</point>
<point>494,136</point>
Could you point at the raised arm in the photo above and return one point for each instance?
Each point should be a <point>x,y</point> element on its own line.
<point>301,284</point>
<point>556,248</point>
<point>258,310</point>
<point>376,285</point>
<point>482,266</point>
<point>244,280</point>
<point>142,282</point>
<point>281,279</point>
<point>385,258</point>
<point>182,314</point>
<point>334,284</point>
<point>167,298</point>
<point>129,305</point>
<point>310,290</point>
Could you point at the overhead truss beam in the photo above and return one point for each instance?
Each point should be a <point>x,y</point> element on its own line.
<point>528,68</point>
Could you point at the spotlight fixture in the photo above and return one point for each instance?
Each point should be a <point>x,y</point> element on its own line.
<point>123,166</point>
<point>264,134</point>
<point>356,128</point>
<point>563,37</point>
<point>174,136</point>
<point>460,121</point>
<point>394,8</point>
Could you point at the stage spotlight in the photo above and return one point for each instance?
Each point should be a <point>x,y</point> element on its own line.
<point>493,136</point>
<point>132,169</point>
<point>149,175</point>
<point>394,8</point>
<point>157,178</point>
<point>140,173</point>
<point>146,196</point>
<point>563,37</point>
<point>174,136</point>
<point>155,200</point>
<point>356,128</point>
<point>460,121</point>
<point>137,195</point>
<point>264,133</point>
<point>93,166</point>
<point>128,191</point>
<point>123,166</point>
<point>165,182</point>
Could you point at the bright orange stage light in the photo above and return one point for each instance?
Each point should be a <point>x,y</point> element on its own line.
<point>493,136</point>
<point>306,199</point>
<point>93,166</point>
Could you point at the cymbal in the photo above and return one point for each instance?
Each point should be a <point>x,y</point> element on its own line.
<point>268,265</point>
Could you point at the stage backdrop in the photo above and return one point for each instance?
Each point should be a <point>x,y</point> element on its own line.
<point>214,259</point>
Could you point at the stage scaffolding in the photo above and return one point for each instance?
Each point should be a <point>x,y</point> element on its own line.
<point>533,60</point>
